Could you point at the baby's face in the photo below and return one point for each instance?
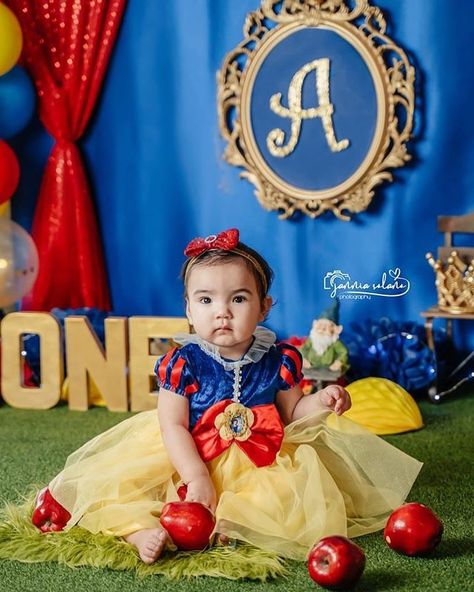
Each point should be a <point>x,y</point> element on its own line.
<point>223,305</point>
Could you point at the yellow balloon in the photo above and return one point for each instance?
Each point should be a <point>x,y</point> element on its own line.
<point>11,39</point>
<point>5,210</point>
<point>383,407</point>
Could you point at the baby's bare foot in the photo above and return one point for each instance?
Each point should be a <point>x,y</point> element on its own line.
<point>150,543</point>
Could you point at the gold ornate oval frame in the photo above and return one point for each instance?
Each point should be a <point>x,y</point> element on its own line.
<point>364,27</point>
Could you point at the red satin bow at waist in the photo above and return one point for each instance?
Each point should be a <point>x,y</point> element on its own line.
<point>258,431</point>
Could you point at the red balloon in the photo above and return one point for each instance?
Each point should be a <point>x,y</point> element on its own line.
<point>9,172</point>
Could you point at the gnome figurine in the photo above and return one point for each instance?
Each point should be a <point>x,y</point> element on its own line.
<point>323,348</point>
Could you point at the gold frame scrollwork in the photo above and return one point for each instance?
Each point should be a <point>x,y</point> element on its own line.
<point>364,27</point>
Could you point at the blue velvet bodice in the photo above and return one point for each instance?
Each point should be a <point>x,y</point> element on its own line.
<point>198,372</point>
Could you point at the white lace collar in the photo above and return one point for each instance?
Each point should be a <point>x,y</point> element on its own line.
<point>263,341</point>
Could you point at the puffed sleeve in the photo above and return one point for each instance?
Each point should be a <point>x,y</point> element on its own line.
<point>174,374</point>
<point>290,367</point>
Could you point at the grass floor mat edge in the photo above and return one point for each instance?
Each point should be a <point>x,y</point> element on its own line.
<point>21,541</point>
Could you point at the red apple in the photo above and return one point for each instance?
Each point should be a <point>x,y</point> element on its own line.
<point>189,524</point>
<point>49,515</point>
<point>336,562</point>
<point>182,492</point>
<point>413,529</point>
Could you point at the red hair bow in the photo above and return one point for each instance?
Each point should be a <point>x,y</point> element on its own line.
<point>226,240</point>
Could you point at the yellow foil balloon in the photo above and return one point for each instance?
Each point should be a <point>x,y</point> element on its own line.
<point>383,407</point>
<point>11,39</point>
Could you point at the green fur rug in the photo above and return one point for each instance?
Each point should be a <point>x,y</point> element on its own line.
<point>21,541</point>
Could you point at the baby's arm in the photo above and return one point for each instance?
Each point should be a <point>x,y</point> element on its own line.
<point>292,404</point>
<point>173,414</point>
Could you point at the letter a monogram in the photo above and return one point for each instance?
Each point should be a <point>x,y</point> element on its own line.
<point>296,113</point>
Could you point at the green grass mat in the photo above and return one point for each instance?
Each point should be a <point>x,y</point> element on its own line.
<point>20,540</point>
<point>34,445</point>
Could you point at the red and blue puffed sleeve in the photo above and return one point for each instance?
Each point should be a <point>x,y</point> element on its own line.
<point>290,367</point>
<point>174,374</point>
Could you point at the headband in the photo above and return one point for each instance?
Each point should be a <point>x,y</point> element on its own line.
<point>227,240</point>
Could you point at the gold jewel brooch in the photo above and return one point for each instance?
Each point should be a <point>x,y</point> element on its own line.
<point>235,422</point>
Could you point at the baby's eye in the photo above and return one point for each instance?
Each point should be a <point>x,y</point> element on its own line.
<point>239,299</point>
<point>205,300</point>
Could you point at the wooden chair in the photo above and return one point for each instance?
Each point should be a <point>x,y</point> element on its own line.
<point>450,225</point>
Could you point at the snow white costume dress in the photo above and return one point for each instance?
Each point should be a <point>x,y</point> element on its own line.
<point>278,488</point>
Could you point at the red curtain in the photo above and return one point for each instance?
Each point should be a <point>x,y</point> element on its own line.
<point>67,46</point>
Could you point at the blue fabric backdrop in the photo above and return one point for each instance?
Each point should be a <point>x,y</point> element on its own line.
<point>154,150</point>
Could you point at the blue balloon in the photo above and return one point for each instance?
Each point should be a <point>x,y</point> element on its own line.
<point>394,350</point>
<point>17,101</point>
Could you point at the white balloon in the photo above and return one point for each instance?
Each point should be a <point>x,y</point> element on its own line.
<point>18,262</point>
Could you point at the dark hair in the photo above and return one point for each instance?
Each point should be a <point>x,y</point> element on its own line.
<point>246,254</point>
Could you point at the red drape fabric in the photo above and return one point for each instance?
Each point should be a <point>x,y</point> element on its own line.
<point>67,46</point>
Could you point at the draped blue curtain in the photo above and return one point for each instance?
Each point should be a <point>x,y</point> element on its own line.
<point>153,151</point>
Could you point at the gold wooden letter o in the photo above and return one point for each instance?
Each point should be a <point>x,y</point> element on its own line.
<point>47,395</point>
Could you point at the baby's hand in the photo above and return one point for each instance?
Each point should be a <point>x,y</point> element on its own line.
<point>336,398</point>
<point>202,490</point>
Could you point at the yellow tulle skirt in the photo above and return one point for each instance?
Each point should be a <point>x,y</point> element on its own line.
<point>331,476</point>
